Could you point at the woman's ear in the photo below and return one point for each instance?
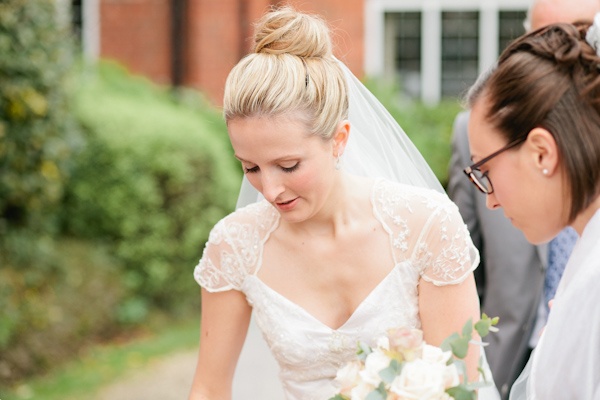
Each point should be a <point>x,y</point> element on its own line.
<point>543,150</point>
<point>340,137</point>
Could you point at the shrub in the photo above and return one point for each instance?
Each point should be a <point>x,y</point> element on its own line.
<point>37,133</point>
<point>49,313</point>
<point>153,179</point>
<point>37,138</point>
<point>429,127</point>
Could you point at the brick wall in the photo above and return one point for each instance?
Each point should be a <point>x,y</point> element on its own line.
<point>217,34</point>
<point>138,34</point>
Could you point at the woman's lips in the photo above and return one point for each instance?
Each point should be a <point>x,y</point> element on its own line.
<point>288,205</point>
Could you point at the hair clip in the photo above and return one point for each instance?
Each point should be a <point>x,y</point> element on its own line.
<point>592,37</point>
<point>307,79</point>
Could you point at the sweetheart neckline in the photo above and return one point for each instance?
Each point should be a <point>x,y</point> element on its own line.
<point>375,289</point>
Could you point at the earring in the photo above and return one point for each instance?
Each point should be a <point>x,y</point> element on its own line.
<point>337,162</point>
<point>545,171</point>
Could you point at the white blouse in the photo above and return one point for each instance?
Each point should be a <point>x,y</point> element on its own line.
<point>566,363</point>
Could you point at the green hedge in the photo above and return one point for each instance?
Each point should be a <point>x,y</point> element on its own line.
<point>37,132</point>
<point>155,176</point>
<point>152,175</point>
<point>429,127</point>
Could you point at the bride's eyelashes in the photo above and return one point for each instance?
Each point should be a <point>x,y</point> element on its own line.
<point>284,169</point>
<point>291,169</point>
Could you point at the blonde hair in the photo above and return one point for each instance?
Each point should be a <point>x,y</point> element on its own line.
<point>291,71</point>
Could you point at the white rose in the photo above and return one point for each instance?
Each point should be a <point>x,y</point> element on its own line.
<point>347,377</point>
<point>361,391</point>
<point>421,380</point>
<point>451,374</point>
<point>383,343</point>
<point>435,355</point>
<point>375,362</point>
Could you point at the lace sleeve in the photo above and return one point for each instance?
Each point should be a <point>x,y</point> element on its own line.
<point>219,268</point>
<point>234,247</point>
<point>445,254</point>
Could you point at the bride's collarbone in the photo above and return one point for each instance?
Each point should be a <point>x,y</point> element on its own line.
<point>326,272</point>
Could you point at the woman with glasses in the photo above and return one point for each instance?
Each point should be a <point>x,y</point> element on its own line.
<point>534,135</point>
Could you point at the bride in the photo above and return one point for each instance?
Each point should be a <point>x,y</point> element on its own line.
<point>322,256</point>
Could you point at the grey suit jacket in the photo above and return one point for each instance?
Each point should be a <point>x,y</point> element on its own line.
<point>511,275</point>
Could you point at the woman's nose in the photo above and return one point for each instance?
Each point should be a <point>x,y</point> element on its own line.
<point>272,186</point>
<point>491,202</point>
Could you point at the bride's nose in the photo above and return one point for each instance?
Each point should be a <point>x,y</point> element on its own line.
<point>272,186</point>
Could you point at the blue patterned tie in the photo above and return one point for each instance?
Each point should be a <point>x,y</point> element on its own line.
<point>559,250</point>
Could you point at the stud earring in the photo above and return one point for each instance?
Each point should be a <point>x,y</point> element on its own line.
<point>545,171</point>
<point>337,162</point>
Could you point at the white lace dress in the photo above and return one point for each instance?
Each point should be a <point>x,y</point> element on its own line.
<point>428,240</point>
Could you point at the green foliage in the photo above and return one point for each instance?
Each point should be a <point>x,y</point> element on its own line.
<point>486,325</point>
<point>462,392</point>
<point>429,128</point>
<point>38,136</point>
<point>52,309</point>
<point>37,133</point>
<point>153,179</point>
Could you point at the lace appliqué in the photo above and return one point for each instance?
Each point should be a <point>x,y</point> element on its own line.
<point>426,228</point>
<point>234,247</point>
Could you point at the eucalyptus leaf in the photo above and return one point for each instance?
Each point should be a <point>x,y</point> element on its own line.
<point>390,373</point>
<point>378,394</point>
<point>482,372</point>
<point>483,327</point>
<point>363,350</point>
<point>461,367</point>
<point>467,330</point>
<point>460,347</point>
<point>461,392</point>
<point>478,385</point>
<point>478,343</point>
<point>338,397</point>
<point>445,346</point>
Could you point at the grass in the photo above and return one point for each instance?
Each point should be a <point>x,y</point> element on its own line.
<point>103,364</point>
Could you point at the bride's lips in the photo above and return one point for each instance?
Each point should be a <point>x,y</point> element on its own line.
<point>287,205</point>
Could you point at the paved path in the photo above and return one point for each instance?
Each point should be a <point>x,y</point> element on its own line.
<point>170,378</point>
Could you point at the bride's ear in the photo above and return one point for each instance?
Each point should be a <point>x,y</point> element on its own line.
<point>340,137</point>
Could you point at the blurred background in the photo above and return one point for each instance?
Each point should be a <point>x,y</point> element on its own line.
<point>115,162</point>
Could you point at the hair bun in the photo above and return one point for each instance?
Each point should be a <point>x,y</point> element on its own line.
<point>286,30</point>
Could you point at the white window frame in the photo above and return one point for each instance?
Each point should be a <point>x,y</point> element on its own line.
<point>431,35</point>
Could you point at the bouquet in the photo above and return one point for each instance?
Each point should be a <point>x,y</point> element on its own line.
<point>404,367</point>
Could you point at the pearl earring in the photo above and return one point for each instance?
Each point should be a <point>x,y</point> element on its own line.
<point>545,171</point>
<point>337,162</point>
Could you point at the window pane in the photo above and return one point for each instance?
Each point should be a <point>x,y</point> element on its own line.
<point>406,58</point>
<point>510,27</point>
<point>460,48</point>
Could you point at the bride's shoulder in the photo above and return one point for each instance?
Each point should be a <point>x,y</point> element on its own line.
<point>398,193</point>
<point>234,245</point>
<point>255,217</point>
<point>259,211</point>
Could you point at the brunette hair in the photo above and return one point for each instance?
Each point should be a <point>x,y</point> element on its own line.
<point>291,71</point>
<point>549,78</point>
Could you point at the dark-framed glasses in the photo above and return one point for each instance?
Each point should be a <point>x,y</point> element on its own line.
<point>481,179</point>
